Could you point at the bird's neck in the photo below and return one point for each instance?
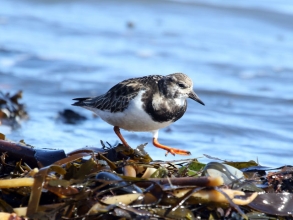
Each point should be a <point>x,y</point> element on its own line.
<point>162,108</point>
<point>167,108</point>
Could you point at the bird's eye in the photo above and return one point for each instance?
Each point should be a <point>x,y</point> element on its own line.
<point>181,85</point>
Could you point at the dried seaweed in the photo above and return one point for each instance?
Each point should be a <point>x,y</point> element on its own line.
<point>11,111</point>
<point>117,182</point>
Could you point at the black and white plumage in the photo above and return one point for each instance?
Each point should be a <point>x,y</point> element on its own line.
<point>144,104</point>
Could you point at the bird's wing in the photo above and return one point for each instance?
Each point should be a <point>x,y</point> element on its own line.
<point>119,96</point>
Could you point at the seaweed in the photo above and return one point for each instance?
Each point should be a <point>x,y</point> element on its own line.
<point>11,110</point>
<point>117,182</point>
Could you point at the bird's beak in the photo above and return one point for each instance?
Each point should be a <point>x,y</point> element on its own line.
<point>193,96</point>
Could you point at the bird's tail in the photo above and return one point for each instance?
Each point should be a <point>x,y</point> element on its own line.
<point>79,101</point>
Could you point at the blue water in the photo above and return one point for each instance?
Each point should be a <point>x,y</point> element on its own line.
<point>238,53</point>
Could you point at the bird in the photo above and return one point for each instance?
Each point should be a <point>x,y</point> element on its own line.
<point>144,104</point>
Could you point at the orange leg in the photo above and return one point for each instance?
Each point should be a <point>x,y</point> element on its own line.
<point>117,132</point>
<point>169,149</point>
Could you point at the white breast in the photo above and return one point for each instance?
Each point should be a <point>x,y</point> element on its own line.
<point>133,118</point>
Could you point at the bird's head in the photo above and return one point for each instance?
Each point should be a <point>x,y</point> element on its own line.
<point>178,86</point>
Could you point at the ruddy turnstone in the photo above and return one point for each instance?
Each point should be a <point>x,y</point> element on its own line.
<point>146,103</point>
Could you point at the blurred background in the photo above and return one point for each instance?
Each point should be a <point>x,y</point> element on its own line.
<point>238,53</point>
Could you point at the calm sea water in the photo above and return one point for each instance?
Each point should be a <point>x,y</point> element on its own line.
<point>239,55</point>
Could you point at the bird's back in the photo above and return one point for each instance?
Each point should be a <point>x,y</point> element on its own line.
<point>118,97</point>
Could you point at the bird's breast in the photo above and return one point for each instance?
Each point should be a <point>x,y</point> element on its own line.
<point>162,109</point>
<point>134,117</point>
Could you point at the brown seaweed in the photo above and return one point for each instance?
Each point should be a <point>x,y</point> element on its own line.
<point>90,183</point>
<point>11,110</point>
<point>34,157</point>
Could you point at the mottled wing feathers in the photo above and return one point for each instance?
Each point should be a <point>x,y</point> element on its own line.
<point>119,96</point>
<point>116,99</point>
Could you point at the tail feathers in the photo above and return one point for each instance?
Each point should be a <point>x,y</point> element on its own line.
<point>80,101</point>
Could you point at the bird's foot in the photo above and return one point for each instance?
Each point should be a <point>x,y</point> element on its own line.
<point>174,151</point>
<point>170,150</point>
